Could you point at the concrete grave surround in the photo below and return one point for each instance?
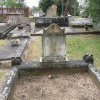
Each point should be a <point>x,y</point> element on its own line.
<point>54,44</point>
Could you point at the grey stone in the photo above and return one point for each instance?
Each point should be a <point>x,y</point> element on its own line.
<point>54,44</point>
<point>88,58</point>
<point>15,42</point>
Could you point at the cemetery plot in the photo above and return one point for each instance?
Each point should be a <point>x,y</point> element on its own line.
<point>54,85</point>
<point>46,21</point>
<point>83,44</point>
<point>69,31</point>
<point>12,50</point>
<point>5,29</point>
<point>80,22</point>
<point>21,31</point>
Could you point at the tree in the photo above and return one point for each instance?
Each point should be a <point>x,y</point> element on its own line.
<point>2,3</point>
<point>93,10</point>
<point>67,7</point>
<point>45,4</point>
<point>19,3</point>
<point>63,6</point>
<point>12,3</point>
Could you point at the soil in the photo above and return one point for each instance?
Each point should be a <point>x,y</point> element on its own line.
<point>59,87</point>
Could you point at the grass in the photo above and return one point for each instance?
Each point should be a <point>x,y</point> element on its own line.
<point>3,43</point>
<point>34,51</point>
<point>77,46</point>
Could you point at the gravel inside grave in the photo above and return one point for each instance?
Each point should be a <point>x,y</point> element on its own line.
<point>59,87</point>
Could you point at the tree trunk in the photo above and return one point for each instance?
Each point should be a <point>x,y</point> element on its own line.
<point>67,7</point>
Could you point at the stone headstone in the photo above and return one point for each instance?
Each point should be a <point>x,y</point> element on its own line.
<point>54,44</point>
<point>52,11</point>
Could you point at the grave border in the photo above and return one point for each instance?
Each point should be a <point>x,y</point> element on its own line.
<point>72,66</point>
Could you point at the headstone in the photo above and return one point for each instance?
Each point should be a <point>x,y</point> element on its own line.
<point>54,44</point>
<point>52,11</point>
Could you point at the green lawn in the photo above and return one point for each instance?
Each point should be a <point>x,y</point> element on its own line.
<point>77,46</point>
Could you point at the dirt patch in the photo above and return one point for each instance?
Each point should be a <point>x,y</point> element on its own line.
<point>60,87</point>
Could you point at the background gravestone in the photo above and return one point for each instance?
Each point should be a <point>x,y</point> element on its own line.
<point>54,44</point>
<point>52,11</point>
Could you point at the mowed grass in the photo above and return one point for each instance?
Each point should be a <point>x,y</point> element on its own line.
<point>76,47</point>
<point>34,50</point>
<point>79,45</point>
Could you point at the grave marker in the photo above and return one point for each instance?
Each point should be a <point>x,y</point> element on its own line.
<point>54,44</point>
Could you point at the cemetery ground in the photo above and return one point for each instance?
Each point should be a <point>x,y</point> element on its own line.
<point>78,45</point>
<point>84,44</point>
<point>66,86</point>
<point>36,86</point>
<point>3,72</point>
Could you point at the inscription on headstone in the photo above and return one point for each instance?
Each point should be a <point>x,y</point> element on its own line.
<point>54,44</point>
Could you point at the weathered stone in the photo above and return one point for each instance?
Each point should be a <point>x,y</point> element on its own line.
<point>16,61</point>
<point>5,63</point>
<point>20,27</point>
<point>52,11</point>
<point>46,21</point>
<point>15,42</point>
<point>54,44</point>
<point>88,59</point>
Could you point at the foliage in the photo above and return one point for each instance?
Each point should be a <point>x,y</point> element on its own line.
<point>12,3</point>
<point>2,3</point>
<point>93,10</point>
<point>74,8</point>
<point>45,4</point>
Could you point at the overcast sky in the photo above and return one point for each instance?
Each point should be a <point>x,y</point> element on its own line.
<point>32,3</point>
<point>35,3</point>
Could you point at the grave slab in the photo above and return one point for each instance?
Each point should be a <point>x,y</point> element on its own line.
<point>9,51</point>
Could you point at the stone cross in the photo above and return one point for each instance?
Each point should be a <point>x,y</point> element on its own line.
<point>54,44</point>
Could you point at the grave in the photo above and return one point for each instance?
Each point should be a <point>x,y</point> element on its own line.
<point>5,29</point>
<point>54,77</point>
<point>54,44</point>
<point>41,22</point>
